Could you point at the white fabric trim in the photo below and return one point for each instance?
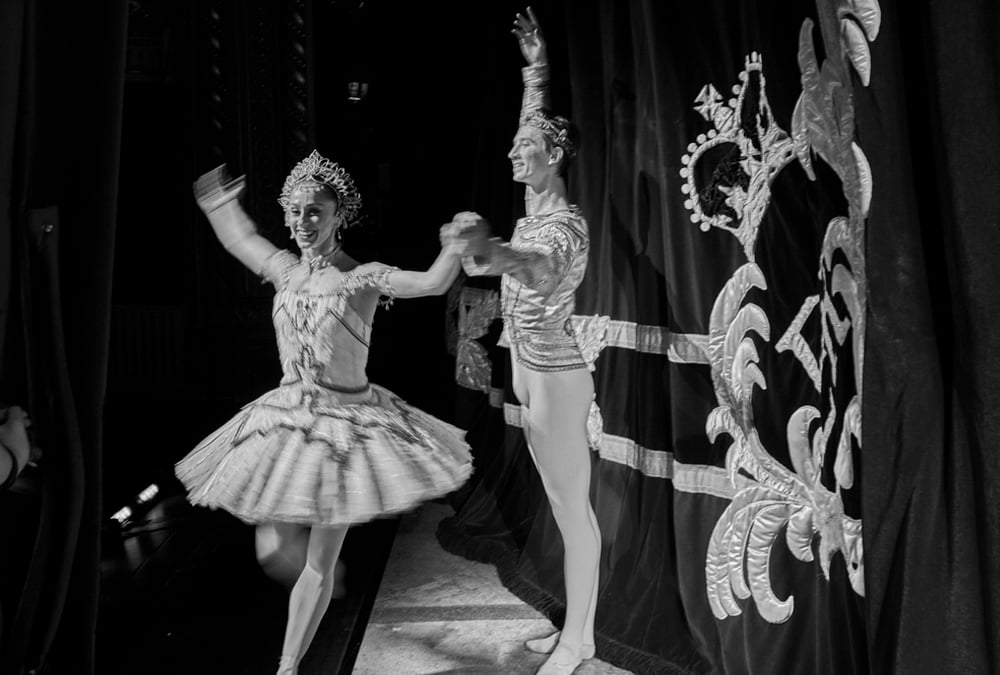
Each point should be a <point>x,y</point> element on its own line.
<point>688,348</point>
<point>512,414</point>
<point>706,480</point>
<point>618,449</point>
<point>690,478</point>
<point>678,347</point>
<point>652,463</point>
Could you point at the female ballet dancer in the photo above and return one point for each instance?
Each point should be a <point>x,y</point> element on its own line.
<point>542,266</point>
<point>327,448</point>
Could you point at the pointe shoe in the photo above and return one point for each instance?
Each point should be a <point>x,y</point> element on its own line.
<point>547,644</point>
<point>563,661</point>
<point>287,666</point>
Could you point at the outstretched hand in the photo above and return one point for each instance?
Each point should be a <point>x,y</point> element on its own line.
<point>472,233</point>
<point>529,38</point>
<point>216,188</point>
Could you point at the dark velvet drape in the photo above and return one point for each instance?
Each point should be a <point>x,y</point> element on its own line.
<point>62,75</point>
<point>798,472</point>
<point>932,538</point>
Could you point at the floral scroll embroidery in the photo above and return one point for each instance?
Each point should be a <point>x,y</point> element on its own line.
<point>477,310</point>
<point>771,498</point>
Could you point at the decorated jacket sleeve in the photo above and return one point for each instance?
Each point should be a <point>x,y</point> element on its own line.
<point>534,97</point>
<point>277,267</point>
<point>536,89</point>
<point>502,258</point>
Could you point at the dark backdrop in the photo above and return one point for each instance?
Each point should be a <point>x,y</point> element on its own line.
<point>61,77</point>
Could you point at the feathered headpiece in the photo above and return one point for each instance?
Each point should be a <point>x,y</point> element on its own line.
<point>316,170</point>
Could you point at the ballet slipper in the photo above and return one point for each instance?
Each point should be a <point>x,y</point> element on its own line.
<point>563,661</point>
<point>286,666</point>
<point>547,644</point>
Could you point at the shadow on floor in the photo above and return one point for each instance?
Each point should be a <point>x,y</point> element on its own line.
<point>182,593</point>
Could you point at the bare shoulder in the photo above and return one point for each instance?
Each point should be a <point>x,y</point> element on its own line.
<point>348,264</point>
<point>355,273</point>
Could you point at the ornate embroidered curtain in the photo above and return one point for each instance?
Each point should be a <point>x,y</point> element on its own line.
<point>769,189</point>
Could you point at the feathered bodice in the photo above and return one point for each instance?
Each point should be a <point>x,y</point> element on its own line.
<point>321,338</point>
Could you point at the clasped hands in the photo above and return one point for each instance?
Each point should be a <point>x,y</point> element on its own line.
<point>467,234</point>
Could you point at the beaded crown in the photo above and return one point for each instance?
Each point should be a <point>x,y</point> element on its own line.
<point>555,128</point>
<point>318,170</point>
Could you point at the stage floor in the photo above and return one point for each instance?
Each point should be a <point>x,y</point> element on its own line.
<point>439,613</point>
<point>182,593</point>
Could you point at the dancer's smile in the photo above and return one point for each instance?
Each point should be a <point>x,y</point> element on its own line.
<point>528,156</point>
<point>312,216</point>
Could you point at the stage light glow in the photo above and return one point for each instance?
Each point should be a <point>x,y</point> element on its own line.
<point>356,91</point>
<point>122,515</point>
<point>148,494</point>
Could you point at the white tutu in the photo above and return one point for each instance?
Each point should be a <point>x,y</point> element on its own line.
<point>303,453</point>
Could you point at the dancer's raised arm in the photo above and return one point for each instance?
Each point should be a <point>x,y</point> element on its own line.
<point>218,198</point>
<point>536,74</point>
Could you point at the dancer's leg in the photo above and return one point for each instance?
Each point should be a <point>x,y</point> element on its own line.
<point>311,594</point>
<point>281,551</point>
<point>547,644</point>
<point>556,429</point>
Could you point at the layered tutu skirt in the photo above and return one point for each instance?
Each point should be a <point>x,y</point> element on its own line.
<point>306,454</point>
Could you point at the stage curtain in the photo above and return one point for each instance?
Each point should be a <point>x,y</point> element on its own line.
<point>932,484</point>
<point>792,210</point>
<point>61,78</point>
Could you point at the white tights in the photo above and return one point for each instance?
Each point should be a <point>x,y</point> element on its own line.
<point>555,407</point>
<point>279,550</point>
